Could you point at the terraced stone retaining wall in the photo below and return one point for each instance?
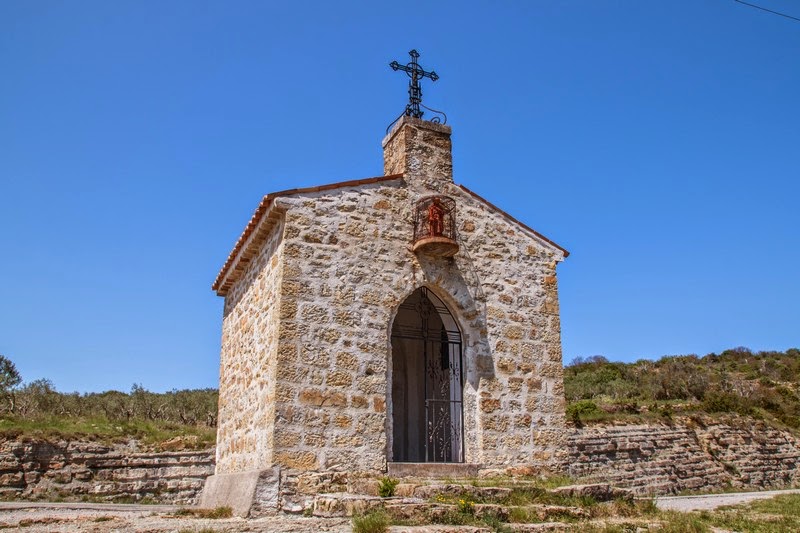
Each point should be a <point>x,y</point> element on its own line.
<point>648,459</point>
<point>688,456</point>
<point>99,472</point>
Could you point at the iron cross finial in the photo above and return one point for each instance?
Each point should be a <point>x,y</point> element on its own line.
<point>416,73</point>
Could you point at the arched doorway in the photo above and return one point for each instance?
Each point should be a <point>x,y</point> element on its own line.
<point>427,382</point>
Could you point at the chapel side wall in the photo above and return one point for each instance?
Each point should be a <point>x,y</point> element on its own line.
<point>247,363</point>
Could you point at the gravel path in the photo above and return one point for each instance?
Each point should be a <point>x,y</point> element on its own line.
<point>101,518</point>
<point>110,507</point>
<point>104,517</point>
<point>712,501</point>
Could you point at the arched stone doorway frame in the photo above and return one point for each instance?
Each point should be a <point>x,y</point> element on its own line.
<point>469,322</point>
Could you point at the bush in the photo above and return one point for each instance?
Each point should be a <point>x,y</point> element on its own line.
<point>735,381</point>
<point>581,407</point>
<point>387,486</point>
<point>726,402</point>
<point>216,513</point>
<point>39,400</point>
<point>9,380</point>
<point>372,522</point>
<point>466,506</point>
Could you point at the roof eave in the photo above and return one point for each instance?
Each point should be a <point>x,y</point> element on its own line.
<point>242,252</point>
<point>261,223</point>
<point>514,220</point>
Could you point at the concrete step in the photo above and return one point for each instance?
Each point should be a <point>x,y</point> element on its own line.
<point>344,504</point>
<point>433,470</point>
<point>450,489</point>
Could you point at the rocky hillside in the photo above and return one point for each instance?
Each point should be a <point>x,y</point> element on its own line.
<point>762,385</point>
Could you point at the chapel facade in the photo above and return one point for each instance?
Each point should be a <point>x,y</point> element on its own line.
<point>389,321</point>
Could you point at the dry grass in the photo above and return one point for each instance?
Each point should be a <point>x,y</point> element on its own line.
<point>218,512</point>
<point>149,433</point>
<point>372,522</point>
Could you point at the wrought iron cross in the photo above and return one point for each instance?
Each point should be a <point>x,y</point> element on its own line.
<point>416,73</point>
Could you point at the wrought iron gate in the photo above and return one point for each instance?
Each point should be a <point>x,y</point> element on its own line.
<point>441,348</point>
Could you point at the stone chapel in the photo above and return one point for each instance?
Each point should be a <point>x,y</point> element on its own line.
<point>399,324</point>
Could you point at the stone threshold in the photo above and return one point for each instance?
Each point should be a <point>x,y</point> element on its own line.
<point>433,470</point>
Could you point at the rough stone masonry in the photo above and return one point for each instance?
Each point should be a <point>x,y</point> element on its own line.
<point>312,289</point>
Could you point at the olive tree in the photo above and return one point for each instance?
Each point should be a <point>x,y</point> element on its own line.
<point>9,380</point>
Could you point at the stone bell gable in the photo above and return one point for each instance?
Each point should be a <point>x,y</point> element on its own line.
<point>372,323</point>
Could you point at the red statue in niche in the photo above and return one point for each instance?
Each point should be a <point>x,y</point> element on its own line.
<point>436,218</point>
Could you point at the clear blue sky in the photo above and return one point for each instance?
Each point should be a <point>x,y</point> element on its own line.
<point>656,140</point>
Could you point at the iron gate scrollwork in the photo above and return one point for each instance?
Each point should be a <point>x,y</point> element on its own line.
<point>443,376</point>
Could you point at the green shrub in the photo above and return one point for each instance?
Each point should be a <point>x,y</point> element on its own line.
<point>372,522</point>
<point>522,515</point>
<point>454,517</point>
<point>726,402</point>
<point>218,512</point>
<point>675,522</point>
<point>496,524</point>
<point>387,486</point>
<point>762,384</point>
<point>581,407</point>
<point>466,506</point>
<point>784,505</point>
<point>522,496</point>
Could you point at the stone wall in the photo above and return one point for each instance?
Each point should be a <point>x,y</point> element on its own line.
<point>247,361</point>
<point>36,468</point>
<point>688,456</point>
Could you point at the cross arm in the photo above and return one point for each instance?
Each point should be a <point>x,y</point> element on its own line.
<point>397,66</point>
<point>415,70</point>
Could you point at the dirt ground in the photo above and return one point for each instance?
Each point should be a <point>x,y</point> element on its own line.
<point>712,501</point>
<point>101,518</point>
<point>60,518</point>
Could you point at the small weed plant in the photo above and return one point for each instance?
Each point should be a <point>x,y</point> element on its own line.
<point>466,506</point>
<point>387,486</point>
